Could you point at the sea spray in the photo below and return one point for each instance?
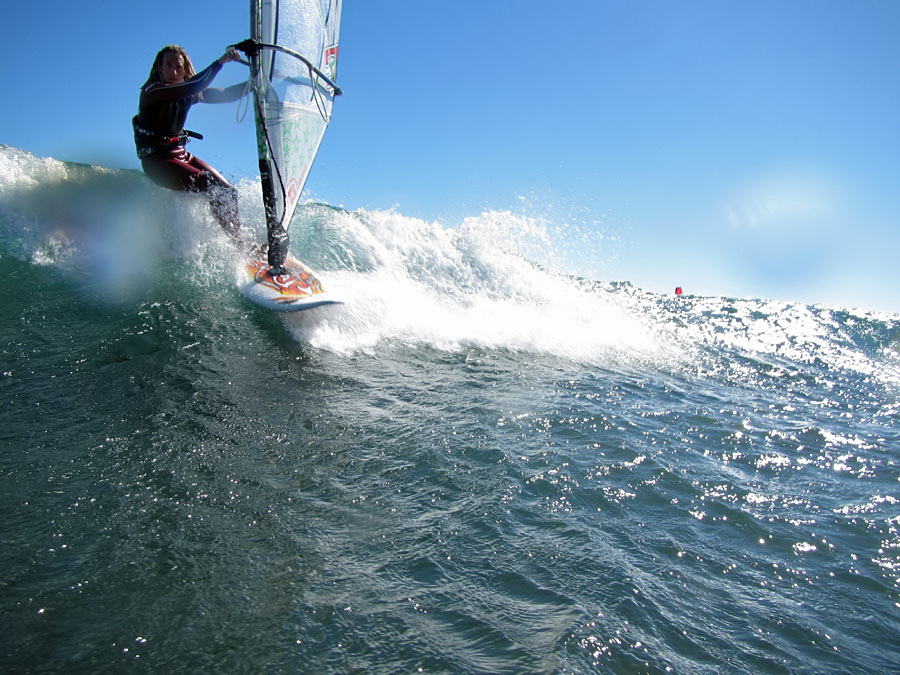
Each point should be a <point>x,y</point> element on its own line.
<point>474,285</point>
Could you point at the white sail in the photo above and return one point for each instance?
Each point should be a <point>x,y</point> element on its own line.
<point>292,75</point>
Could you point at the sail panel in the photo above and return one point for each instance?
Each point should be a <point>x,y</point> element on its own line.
<point>294,101</point>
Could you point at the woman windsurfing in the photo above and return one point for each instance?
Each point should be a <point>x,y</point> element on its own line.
<point>159,134</point>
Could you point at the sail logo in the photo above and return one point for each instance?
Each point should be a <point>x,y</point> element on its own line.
<point>331,54</point>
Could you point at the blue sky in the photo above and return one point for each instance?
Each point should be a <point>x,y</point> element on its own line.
<point>746,149</point>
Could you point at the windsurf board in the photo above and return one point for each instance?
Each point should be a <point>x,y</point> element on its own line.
<point>297,288</point>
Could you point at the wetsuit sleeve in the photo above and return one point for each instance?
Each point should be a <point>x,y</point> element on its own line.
<point>157,92</point>
<point>227,95</point>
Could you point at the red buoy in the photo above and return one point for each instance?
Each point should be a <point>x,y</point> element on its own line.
<point>678,290</point>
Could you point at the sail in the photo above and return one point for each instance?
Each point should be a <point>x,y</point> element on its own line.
<point>293,72</point>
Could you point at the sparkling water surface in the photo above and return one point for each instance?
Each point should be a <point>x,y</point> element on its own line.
<point>476,464</point>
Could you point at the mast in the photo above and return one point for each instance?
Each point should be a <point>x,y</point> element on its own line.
<point>293,61</point>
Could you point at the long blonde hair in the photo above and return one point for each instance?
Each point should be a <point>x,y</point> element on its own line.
<point>189,71</point>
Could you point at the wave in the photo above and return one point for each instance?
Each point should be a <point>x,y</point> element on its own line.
<point>474,406</point>
<point>495,281</point>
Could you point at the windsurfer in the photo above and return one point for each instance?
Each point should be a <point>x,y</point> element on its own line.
<point>159,134</point>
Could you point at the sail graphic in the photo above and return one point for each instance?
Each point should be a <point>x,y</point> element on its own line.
<point>293,66</point>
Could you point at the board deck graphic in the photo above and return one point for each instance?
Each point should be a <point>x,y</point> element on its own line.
<point>296,289</point>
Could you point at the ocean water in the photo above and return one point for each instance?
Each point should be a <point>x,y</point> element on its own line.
<point>478,464</point>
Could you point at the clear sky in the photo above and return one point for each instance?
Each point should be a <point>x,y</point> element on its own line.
<point>747,149</point>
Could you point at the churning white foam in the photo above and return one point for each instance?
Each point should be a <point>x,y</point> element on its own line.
<point>488,283</point>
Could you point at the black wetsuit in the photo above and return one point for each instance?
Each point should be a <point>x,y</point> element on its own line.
<point>160,138</point>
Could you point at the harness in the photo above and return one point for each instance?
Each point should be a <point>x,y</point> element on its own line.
<point>148,142</point>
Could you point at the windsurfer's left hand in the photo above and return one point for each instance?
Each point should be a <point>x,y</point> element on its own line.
<point>229,55</point>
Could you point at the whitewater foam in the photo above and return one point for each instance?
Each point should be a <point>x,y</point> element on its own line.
<point>472,286</point>
<point>496,280</point>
